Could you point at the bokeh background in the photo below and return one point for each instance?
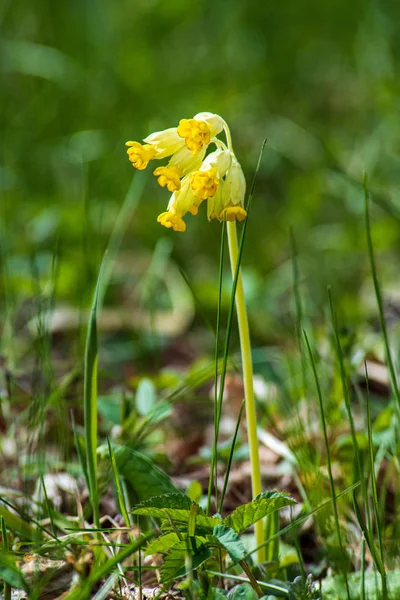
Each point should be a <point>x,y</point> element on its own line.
<point>79,78</point>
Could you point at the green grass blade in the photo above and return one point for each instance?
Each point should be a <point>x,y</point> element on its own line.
<point>7,587</point>
<point>90,402</point>
<point>80,451</point>
<point>359,476</point>
<point>214,461</point>
<point>230,459</point>
<point>294,537</point>
<point>362,568</point>
<point>374,488</point>
<point>48,507</point>
<point>299,309</point>
<point>120,494</point>
<point>378,295</point>
<point>375,555</point>
<point>4,532</point>
<point>328,456</point>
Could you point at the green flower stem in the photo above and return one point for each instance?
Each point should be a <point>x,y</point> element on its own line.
<point>245,347</point>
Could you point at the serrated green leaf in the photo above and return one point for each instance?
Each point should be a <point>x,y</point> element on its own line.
<point>264,504</point>
<point>176,565</point>
<point>143,477</point>
<point>202,529</point>
<point>179,517</point>
<point>175,500</point>
<point>163,543</point>
<point>230,540</point>
<point>176,507</point>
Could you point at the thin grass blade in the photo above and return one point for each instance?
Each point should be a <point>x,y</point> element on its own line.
<point>90,402</point>
<point>374,490</point>
<point>378,294</point>
<point>328,457</point>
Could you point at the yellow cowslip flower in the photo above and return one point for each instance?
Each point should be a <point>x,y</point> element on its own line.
<point>185,200</point>
<point>205,183</point>
<point>232,194</point>
<point>220,181</point>
<point>194,134</point>
<point>206,180</point>
<point>198,132</point>
<point>171,219</point>
<point>190,175</point>
<point>181,163</point>
<point>140,155</point>
<point>169,176</point>
<point>165,143</point>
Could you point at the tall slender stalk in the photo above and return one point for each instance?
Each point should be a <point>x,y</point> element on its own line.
<point>247,365</point>
<point>235,253</point>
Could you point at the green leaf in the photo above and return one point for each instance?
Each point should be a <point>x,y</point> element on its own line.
<point>163,543</point>
<point>195,491</point>
<point>176,507</point>
<point>179,517</point>
<point>145,396</point>
<point>203,528</point>
<point>243,591</point>
<point>174,500</point>
<point>230,540</point>
<point>176,563</point>
<point>264,504</point>
<point>16,523</point>
<point>194,511</point>
<point>10,573</point>
<point>143,477</point>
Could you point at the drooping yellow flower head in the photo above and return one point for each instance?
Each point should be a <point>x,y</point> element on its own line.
<point>191,174</point>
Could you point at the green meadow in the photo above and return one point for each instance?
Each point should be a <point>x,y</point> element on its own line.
<point>207,406</point>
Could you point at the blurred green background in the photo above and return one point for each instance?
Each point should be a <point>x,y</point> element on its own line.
<point>79,78</point>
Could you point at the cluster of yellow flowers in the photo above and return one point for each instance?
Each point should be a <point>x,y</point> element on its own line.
<point>190,175</point>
